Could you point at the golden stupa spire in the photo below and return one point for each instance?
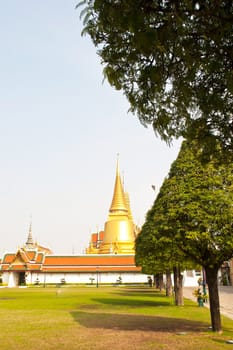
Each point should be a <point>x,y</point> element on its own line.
<point>119,230</point>
<point>118,204</point>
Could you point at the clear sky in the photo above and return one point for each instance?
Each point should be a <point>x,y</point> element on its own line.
<point>61,128</point>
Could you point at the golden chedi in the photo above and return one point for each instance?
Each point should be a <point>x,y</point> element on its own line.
<point>119,230</point>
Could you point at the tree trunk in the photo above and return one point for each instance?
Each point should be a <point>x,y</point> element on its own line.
<point>211,278</point>
<point>155,281</point>
<point>161,284</point>
<point>178,286</point>
<point>158,281</point>
<point>168,284</point>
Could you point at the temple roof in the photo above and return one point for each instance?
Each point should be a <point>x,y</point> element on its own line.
<point>80,263</point>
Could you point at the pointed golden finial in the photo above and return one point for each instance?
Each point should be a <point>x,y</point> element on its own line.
<point>118,201</point>
<point>117,167</point>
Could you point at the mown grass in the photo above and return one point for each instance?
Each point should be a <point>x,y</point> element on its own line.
<point>104,318</point>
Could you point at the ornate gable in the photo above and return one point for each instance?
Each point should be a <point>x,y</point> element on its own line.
<point>20,258</point>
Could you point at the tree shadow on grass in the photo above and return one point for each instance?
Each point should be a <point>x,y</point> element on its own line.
<point>155,298</point>
<point>126,322</point>
<point>150,293</point>
<point>133,303</point>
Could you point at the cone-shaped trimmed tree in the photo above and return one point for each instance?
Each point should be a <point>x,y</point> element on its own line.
<point>193,214</point>
<point>158,253</point>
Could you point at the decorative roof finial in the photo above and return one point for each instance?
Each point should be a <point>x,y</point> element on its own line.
<point>118,201</point>
<point>30,242</point>
<point>117,167</point>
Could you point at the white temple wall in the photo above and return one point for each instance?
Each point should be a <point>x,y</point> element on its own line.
<point>190,278</point>
<point>85,278</point>
<point>11,279</point>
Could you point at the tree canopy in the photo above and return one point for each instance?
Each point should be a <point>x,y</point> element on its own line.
<point>193,211</point>
<point>174,62</point>
<point>193,214</point>
<point>157,252</point>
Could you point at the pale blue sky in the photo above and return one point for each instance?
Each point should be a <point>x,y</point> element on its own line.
<point>60,131</point>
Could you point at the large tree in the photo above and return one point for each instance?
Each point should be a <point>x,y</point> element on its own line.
<point>173,60</point>
<point>193,213</point>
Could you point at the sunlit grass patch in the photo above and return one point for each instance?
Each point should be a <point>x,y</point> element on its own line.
<point>104,318</point>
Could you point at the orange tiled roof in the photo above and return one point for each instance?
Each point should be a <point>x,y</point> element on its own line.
<point>88,263</point>
<point>79,263</point>
<point>18,267</point>
<point>90,260</point>
<point>91,269</point>
<point>31,254</point>
<point>94,237</point>
<point>101,235</point>
<point>8,258</point>
<point>22,260</point>
<point>40,258</point>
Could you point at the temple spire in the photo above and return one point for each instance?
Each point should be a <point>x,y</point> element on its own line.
<point>118,204</point>
<point>118,236</point>
<point>30,242</point>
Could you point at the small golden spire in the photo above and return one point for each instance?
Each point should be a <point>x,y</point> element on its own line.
<point>118,201</point>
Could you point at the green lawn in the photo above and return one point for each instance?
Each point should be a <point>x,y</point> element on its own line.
<point>102,318</point>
